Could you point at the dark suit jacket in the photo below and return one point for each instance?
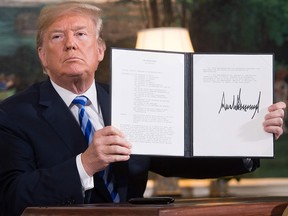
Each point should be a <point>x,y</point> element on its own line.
<point>40,139</point>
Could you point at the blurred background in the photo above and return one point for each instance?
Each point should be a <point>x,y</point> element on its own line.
<point>247,26</point>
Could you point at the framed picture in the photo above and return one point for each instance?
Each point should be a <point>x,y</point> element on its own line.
<point>19,64</point>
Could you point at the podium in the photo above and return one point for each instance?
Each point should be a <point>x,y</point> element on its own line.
<point>265,206</point>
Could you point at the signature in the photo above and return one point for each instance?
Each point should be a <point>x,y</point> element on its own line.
<point>238,106</point>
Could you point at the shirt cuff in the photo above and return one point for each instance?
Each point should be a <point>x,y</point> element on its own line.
<point>86,180</point>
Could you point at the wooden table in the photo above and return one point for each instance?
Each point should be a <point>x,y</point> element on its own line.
<point>183,207</point>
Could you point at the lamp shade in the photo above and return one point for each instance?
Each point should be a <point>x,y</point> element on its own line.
<point>166,38</point>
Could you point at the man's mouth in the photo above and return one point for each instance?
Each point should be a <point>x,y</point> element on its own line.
<point>72,59</point>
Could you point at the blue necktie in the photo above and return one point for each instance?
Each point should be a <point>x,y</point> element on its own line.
<point>85,123</point>
<point>88,131</point>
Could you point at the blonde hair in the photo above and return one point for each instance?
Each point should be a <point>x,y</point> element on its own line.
<point>50,13</point>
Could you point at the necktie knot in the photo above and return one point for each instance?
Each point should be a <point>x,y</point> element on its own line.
<point>80,100</point>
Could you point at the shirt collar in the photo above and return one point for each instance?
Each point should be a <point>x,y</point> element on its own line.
<point>68,96</point>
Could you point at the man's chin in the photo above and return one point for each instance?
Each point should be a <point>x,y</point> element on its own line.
<point>76,71</point>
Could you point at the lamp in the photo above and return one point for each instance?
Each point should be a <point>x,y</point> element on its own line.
<point>165,38</point>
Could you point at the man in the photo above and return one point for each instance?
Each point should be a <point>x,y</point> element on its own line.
<point>44,156</point>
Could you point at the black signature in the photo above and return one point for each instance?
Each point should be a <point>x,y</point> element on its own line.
<point>238,106</point>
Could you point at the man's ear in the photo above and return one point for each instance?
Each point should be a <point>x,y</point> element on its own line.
<point>101,49</point>
<point>42,56</point>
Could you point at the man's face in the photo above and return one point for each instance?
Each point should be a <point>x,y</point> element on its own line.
<point>70,49</point>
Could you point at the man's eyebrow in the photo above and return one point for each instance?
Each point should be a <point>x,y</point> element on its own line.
<point>60,30</point>
<point>55,31</point>
<point>76,28</point>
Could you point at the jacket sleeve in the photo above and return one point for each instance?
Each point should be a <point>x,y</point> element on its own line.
<point>202,167</point>
<point>24,181</point>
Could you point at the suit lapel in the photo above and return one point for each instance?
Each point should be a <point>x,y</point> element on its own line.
<point>58,115</point>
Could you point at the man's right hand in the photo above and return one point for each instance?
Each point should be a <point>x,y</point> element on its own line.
<point>108,145</point>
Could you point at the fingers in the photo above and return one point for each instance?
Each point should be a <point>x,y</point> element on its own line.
<point>276,130</point>
<point>274,127</point>
<point>112,136</point>
<point>118,147</point>
<point>274,119</point>
<point>111,145</point>
<point>112,148</point>
<point>108,146</point>
<point>276,111</point>
<point>110,130</point>
<point>277,106</point>
<point>273,122</point>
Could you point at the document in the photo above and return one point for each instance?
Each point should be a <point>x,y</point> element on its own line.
<point>192,105</point>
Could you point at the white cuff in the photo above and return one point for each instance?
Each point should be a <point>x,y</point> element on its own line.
<point>86,180</point>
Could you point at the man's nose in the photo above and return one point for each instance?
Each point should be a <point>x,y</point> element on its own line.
<point>70,43</point>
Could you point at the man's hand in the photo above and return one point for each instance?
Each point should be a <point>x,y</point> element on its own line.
<point>108,146</point>
<point>274,119</point>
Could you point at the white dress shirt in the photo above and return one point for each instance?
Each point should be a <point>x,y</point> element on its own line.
<point>94,112</point>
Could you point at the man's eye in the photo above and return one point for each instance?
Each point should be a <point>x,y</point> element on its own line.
<point>81,34</point>
<point>56,37</point>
